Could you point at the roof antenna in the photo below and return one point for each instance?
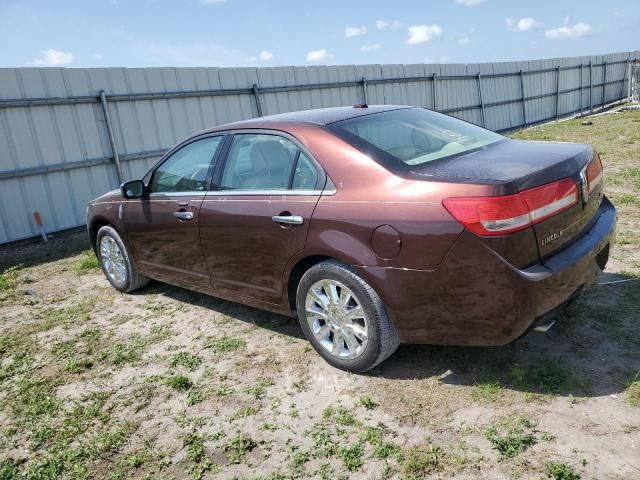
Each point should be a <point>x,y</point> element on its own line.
<point>361,105</point>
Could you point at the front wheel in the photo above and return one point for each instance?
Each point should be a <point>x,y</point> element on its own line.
<point>343,317</point>
<point>116,263</point>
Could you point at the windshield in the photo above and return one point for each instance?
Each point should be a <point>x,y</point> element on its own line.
<point>413,136</point>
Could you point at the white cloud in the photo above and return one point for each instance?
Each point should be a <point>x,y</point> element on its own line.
<point>350,32</point>
<point>523,25</point>
<point>463,41</point>
<point>385,25</point>
<point>212,2</point>
<point>577,31</point>
<point>264,56</point>
<point>97,56</point>
<point>54,58</point>
<point>470,3</point>
<point>370,48</point>
<point>422,33</point>
<point>318,55</point>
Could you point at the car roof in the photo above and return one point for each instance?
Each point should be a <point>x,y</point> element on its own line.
<point>320,116</point>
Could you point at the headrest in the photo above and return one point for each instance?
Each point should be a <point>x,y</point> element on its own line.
<point>269,155</point>
<point>421,140</point>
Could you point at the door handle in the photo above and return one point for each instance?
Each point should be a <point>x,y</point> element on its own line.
<point>183,215</point>
<point>288,219</point>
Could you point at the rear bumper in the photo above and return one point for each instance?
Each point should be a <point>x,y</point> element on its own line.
<point>475,297</point>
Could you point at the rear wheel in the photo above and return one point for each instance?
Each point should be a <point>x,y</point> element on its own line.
<point>344,318</point>
<point>116,263</point>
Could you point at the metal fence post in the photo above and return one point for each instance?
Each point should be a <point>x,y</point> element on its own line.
<point>624,78</point>
<point>256,96</point>
<point>604,83</point>
<point>434,92</point>
<point>484,119</point>
<point>364,91</point>
<point>590,86</point>
<point>579,109</point>
<point>112,139</point>
<point>524,98</point>
<point>628,81</point>
<point>557,90</point>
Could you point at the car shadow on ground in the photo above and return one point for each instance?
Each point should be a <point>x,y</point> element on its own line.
<point>572,359</point>
<point>591,350</point>
<point>261,318</point>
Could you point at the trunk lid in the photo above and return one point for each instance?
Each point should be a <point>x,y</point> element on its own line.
<point>514,166</point>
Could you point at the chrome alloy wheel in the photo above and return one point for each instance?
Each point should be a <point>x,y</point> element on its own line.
<point>113,260</point>
<point>336,319</point>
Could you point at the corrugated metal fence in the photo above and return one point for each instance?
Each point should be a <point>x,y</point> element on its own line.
<point>59,140</point>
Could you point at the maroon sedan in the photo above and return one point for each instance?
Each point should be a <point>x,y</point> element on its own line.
<point>374,225</point>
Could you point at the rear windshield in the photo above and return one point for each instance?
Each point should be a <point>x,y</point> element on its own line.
<point>412,136</point>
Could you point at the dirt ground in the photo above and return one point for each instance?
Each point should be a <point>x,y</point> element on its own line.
<point>166,383</point>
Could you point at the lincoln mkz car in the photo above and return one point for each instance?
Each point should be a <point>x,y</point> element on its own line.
<point>373,225</point>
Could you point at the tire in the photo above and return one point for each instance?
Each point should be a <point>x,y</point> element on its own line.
<point>126,278</point>
<point>381,338</point>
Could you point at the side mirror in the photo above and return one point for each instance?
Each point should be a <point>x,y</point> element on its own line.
<point>133,189</point>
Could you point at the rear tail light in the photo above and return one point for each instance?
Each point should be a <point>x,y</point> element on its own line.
<point>594,174</point>
<point>510,213</point>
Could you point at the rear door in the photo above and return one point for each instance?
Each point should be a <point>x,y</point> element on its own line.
<point>259,216</point>
<point>162,228</point>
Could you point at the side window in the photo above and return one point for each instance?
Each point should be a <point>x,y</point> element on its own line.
<point>186,170</point>
<point>306,176</point>
<point>259,162</point>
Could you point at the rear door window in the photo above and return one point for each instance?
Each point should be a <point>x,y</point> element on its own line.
<point>264,162</point>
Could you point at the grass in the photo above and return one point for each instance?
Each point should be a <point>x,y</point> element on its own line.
<point>519,436</point>
<point>194,446</point>
<point>486,392</point>
<point>186,360</point>
<point>298,462</point>
<point>244,412</point>
<point>88,263</point>
<point>421,461</point>
<point>352,456</point>
<point>344,417</point>
<point>66,317</point>
<point>633,393</point>
<point>382,449</point>
<point>259,389</point>
<point>325,444</point>
<point>628,199</point>
<point>547,376</point>
<point>366,402</point>
<point>238,447</point>
<point>179,383</point>
<point>561,471</point>
<point>9,279</point>
<point>123,353</point>
<point>225,344</point>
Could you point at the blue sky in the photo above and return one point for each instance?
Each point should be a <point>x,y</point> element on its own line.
<point>141,33</point>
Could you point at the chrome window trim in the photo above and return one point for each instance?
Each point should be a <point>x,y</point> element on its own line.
<point>225,193</point>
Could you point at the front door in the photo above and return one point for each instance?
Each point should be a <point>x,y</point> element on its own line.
<point>162,228</point>
<point>259,216</point>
